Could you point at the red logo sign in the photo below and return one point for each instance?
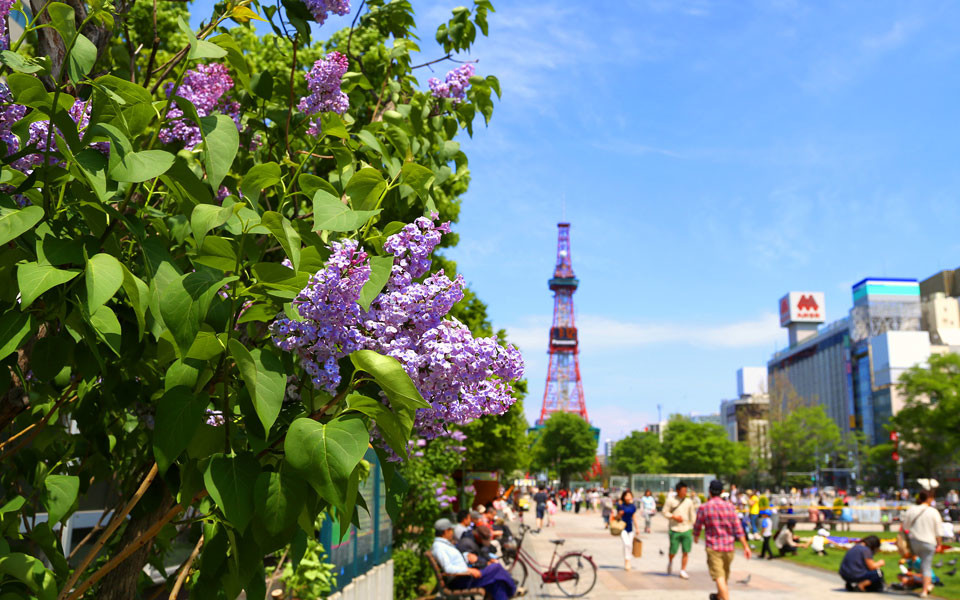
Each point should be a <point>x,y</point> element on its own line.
<point>808,303</point>
<point>784,306</point>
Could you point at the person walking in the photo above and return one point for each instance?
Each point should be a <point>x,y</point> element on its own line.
<point>627,512</point>
<point>540,497</point>
<point>717,520</point>
<point>766,530</point>
<point>577,501</point>
<point>924,526</point>
<point>754,501</point>
<point>648,508</point>
<point>680,512</point>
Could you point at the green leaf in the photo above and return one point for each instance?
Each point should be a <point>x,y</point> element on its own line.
<point>22,64</point>
<point>14,223</point>
<point>221,142</point>
<point>15,328</point>
<point>179,413</point>
<point>139,296</point>
<point>105,322</point>
<point>183,304</point>
<point>200,48</point>
<point>82,58</point>
<point>419,178</point>
<point>34,279</point>
<point>325,454</point>
<point>104,276</point>
<point>380,267</point>
<point>208,216</point>
<point>331,124</point>
<point>310,183</point>
<point>391,378</point>
<point>395,427</point>
<point>218,253</point>
<point>63,20</point>
<point>231,481</point>
<point>31,572</point>
<point>364,189</point>
<point>330,214</point>
<point>134,167</point>
<point>288,237</point>
<point>279,498</point>
<point>58,495</point>
<point>29,91</point>
<point>258,178</point>
<point>263,374</point>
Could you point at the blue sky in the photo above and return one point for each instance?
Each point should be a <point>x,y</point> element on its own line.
<point>712,156</point>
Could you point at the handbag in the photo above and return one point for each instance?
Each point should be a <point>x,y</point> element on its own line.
<point>637,547</point>
<point>617,526</point>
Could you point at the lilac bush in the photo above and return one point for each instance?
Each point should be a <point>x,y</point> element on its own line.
<point>325,95</point>
<point>454,85</point>
<point>462,377</point>
<point>4,28</point>
<point>206,88</point>
<point>321,9</point>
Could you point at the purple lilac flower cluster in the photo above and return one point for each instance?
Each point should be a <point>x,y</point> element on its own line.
<point>462,377</point>
<point>39,131</point>
<point>321,9</point>
<point>10,113</point>
<point>454,85</point>
<point>442,497</point>
<point>205,87</point>
<point>4,29</point>
<point>325,95</point>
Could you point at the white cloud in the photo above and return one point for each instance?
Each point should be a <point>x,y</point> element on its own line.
<point>598,333</point>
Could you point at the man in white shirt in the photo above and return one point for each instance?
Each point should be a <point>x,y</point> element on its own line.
<point>494,579</point>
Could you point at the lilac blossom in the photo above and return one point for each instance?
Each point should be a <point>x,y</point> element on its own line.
<point>325,95</point>
<point>462,377</point>
<point>4,28</point>
<point>40,132</point>
<point>10,113</point>
<point>320,9</point>
<point>205,87</point>
<point>454,85</point>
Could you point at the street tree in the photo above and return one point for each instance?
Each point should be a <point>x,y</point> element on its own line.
<point>639,452</point>
<point>565,445</point>
<point>929,422</point>
<point>801,440</point>
<point>690,447</point>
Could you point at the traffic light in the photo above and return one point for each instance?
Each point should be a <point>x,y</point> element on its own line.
<point>895,440</point>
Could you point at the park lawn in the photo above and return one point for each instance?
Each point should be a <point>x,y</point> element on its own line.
<point>831,562</point>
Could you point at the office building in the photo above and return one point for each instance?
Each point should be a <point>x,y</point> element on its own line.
<point>816,364</point>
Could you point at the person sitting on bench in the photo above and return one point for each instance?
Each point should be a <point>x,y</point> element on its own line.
<point>493,578</point>
<point>858,569</point>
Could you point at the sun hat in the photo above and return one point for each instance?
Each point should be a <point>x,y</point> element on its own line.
<point>823,532</point>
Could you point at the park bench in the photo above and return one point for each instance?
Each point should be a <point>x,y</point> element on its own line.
<point>442,590</point>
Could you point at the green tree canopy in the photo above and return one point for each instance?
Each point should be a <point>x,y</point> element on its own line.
<point>929,422</point>
<point>690,447</point>
<point>802,436</point>
<point>565,445</point>
<point>639,452</point>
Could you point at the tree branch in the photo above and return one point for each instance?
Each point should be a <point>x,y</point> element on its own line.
<point>115,522</point>
<point>185,569</point>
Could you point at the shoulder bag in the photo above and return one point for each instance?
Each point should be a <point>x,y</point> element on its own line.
<point>617,526</point>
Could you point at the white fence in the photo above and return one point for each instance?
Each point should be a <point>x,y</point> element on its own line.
<point>375,584</point>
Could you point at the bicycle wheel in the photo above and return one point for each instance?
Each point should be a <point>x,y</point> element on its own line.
<point>576,574</point>
<point>518,570</point>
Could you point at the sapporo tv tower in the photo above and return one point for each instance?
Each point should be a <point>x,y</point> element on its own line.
<point>564,390</point>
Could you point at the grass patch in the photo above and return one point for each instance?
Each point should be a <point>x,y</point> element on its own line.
<point>831,562</point>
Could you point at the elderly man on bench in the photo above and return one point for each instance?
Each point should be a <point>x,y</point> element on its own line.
<point>493,578</point>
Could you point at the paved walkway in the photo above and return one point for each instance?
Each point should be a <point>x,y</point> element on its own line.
<point>768,580</point>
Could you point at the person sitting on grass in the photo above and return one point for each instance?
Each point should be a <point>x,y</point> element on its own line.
<point>786,542</point>
<point>859,570</point>
<point>819,542</point>
<point>911,576</point>
<point>493,578</point>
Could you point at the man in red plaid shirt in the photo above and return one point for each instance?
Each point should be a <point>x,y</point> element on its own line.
<point>718,518</point>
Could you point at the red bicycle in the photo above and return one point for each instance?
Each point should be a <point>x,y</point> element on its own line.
<point>575,573</point>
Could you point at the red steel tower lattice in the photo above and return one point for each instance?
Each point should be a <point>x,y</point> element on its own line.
<point>564,390</point>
